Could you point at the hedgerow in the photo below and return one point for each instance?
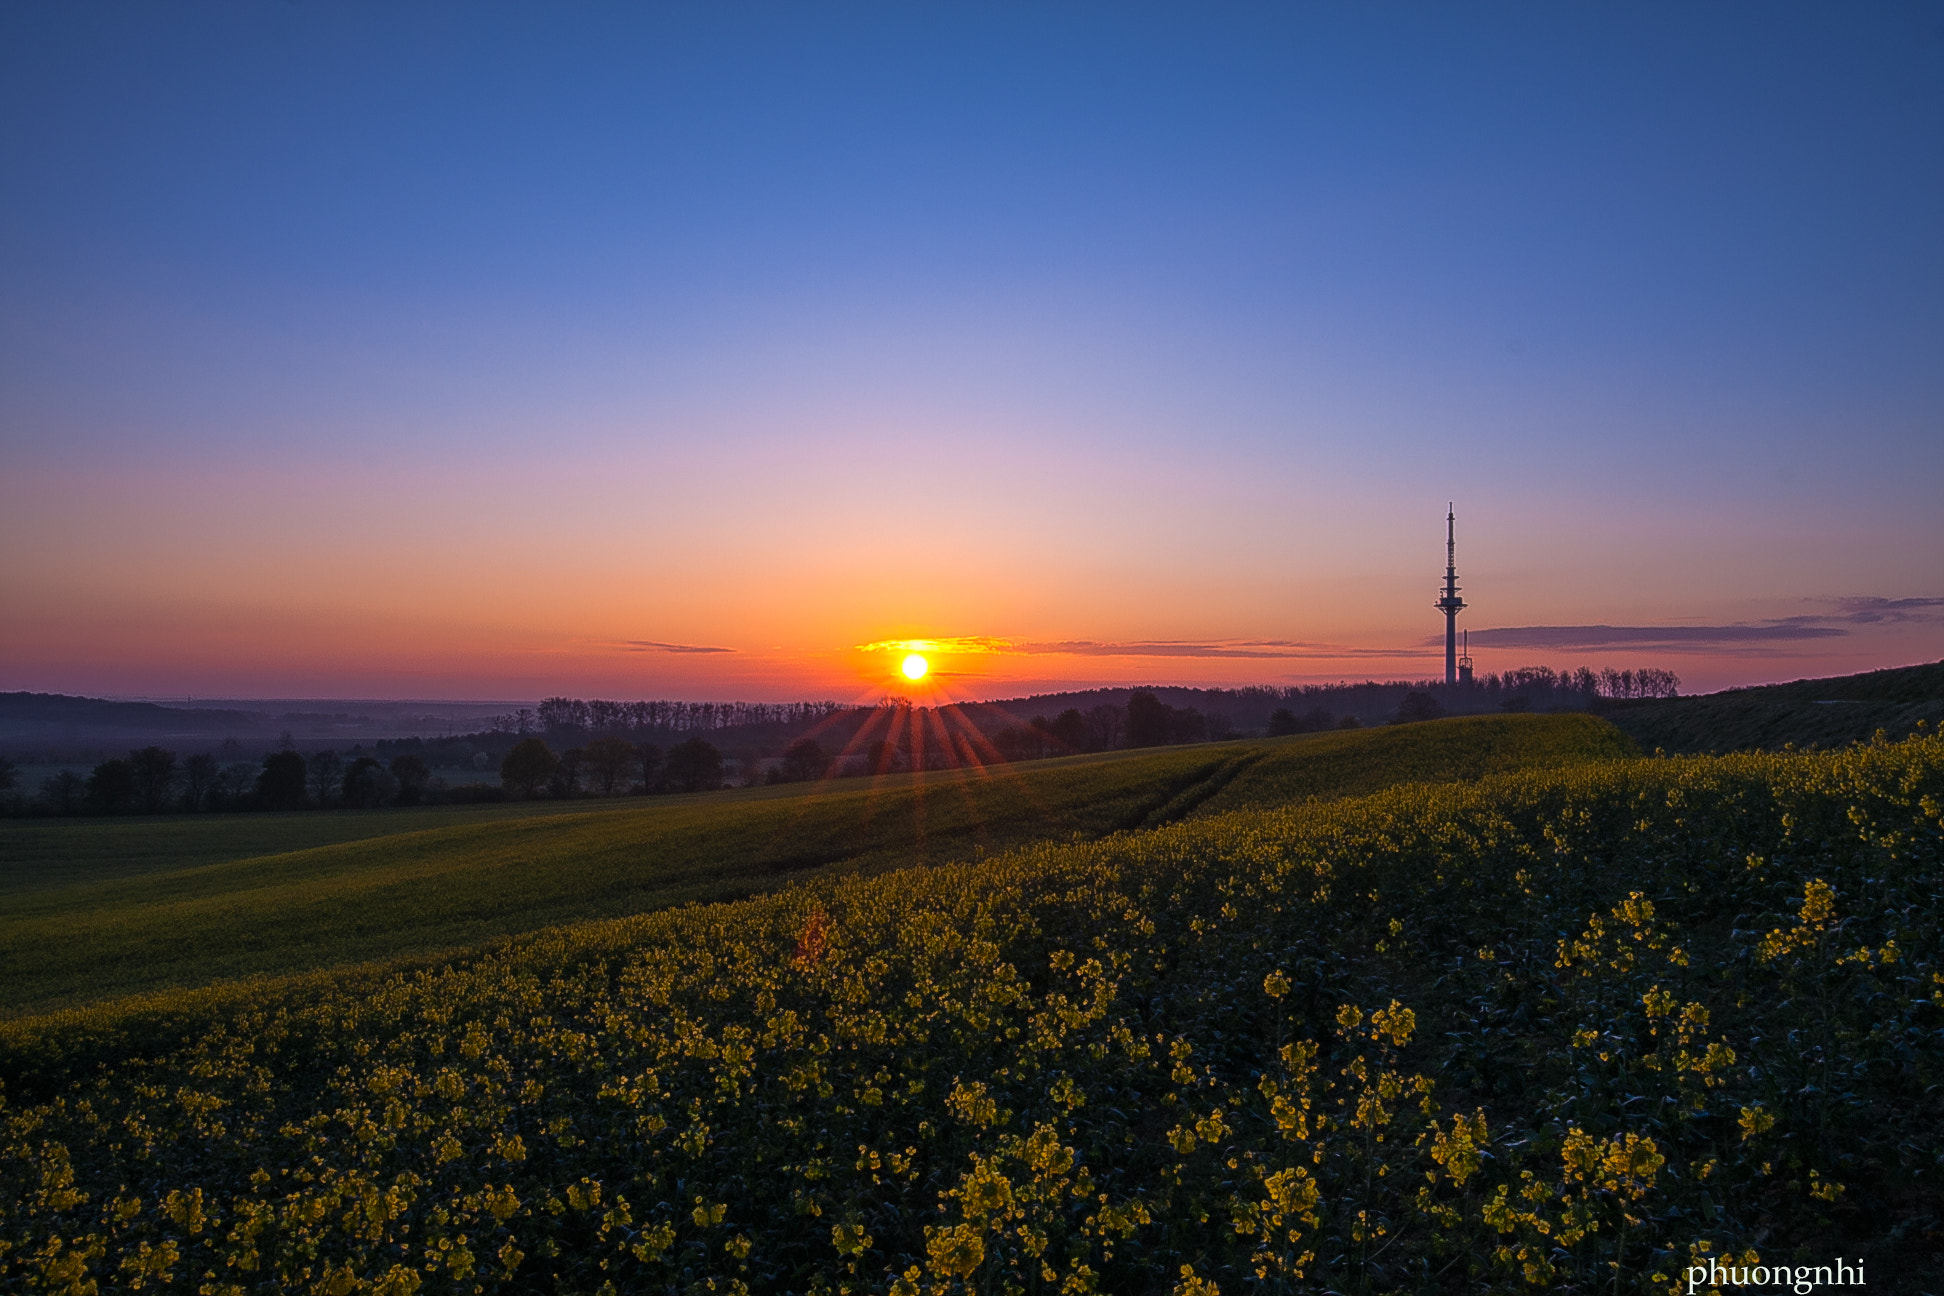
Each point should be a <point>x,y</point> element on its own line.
<point>1564,1030</point>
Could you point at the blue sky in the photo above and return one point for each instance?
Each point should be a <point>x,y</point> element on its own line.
<point>809,326</point>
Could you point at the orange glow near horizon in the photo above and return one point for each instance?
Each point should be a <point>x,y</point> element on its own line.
<point>574,602</point>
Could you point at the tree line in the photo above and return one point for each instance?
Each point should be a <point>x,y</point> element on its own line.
<point>559,714</point>
<point>567,748</point>
<point>153,780</point>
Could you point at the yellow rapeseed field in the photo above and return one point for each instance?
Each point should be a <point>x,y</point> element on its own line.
<point>1557,1030</point>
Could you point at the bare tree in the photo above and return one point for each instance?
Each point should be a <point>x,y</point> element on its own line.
<point>326,774</point>
<point>234,782</point>
<point>198,781</point>
<point>155,776</point>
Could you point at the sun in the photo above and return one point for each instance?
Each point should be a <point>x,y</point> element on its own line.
<point>915,667</point>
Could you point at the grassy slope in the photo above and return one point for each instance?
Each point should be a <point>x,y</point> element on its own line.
<point>39,853</point>
<point>1463,749</point>
<point>941,990</point>
<point>443,888</point>
<point>1817,712</point>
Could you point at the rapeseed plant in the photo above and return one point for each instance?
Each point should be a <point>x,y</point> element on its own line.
<point>1554,1030</point>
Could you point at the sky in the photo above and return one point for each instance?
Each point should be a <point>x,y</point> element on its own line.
<point>727,350</point>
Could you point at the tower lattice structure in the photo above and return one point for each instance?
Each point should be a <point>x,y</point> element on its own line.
<point>1450,604</point>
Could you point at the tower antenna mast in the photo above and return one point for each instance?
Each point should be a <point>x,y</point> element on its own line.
<point>1451,604</point>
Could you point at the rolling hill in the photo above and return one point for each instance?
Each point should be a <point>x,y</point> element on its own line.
<point>103,919</point>
<point>1808,713</point>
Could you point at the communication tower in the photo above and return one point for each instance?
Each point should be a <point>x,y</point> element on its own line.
<point>1451,604</point>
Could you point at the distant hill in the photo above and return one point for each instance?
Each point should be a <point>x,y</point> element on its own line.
<point>63,727</point>
<point>57,718</point>
<point>1815,712</point>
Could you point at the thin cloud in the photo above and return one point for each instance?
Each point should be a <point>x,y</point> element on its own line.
<point>1687,637</point>
<point>649,645</point>
<point>1871,611</point>
<point>1091,648</point>
<point>1275,649</point>
<point>956,644</point>
<point>1859,610</point>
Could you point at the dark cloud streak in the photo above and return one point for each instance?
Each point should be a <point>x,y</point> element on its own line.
<point>1858,610</point>
<point>1691,637</point>
<point>1263,648</point>
<point>649,645</point>
<point>1871,611</point>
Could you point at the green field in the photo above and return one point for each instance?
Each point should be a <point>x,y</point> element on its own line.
<point>445,879</point>
<point>36,854</point>
<point>1822,713</point>
<point>1570,1029</point>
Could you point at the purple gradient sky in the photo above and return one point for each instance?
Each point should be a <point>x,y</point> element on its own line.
<point>461,350</point>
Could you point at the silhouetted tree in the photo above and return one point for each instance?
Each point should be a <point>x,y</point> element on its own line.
<point>198,781</point>
<point>1069,730</point>
<point>609,760</point>
<point>234,783</point>
<point>9,774</point>
<point>1105,725</point>
<point>1186,725</point>
<point>804,760</point>
<point>1417,705</point>
<point>411,774</point>
<point>560,714</point>
<point>281,779</point>
<point>1023,742</point>
<point>694,766</point>
<point>155,776</point>
<point>566,781</point>
<point>1285,721</point>
<point>882,757</point>
<point>1147,720</point>
<point>366,785</point>
<point>607,717</point>
<point>1349,722</point>
<point>527,767</point>
<point>1647,682</point>
<point>649,763</point>
<point>326,775</point>
<point>281,784</point>
<point>64,791</point>
<point>112,785</point>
